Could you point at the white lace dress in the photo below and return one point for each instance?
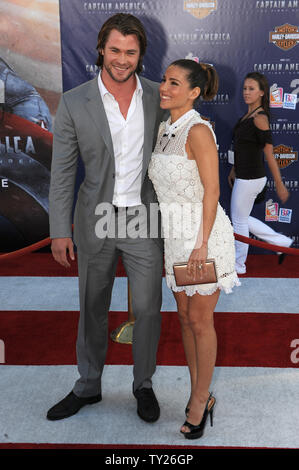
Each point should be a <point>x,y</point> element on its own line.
<point>180,193</point>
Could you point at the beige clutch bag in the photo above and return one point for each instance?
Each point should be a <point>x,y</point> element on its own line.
<point>183,279</point>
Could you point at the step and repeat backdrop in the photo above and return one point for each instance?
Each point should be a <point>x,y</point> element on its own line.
<point>236,37</point>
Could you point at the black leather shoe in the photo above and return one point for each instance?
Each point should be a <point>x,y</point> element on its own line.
<point>70,405</point>
<point>147,405</point>
<point>281,256</point>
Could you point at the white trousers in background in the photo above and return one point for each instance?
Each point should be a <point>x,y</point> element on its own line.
<point>242,200</point>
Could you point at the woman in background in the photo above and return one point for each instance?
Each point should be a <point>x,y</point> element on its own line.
<point>252,140</point>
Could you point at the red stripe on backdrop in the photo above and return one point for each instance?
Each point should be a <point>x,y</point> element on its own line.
<point>43,264</point>
<point>244,339</point>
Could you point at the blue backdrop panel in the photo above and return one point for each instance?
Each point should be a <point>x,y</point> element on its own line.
<point>237,38</point>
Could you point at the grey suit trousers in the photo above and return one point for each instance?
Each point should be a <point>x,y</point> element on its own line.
<point>143,262</point>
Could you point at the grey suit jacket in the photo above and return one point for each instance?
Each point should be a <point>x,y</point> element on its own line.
<point>81,127</point>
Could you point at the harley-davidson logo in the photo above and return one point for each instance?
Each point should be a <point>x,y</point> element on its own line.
<point>285,37</point>
<point>200,9</point>
<point>285,155</point>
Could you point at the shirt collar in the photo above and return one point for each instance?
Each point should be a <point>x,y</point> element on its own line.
<point>104,91</point>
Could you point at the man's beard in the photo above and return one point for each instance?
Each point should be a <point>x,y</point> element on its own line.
<point>123,80</point>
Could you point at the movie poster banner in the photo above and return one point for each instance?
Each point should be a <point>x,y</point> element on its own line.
<point>30,89</point>
<point>218,32</point>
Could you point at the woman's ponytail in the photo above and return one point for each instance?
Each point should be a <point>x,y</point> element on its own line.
<point>212,82</point>
<point>200,75</point>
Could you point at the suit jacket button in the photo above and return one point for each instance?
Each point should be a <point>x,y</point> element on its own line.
<point>113,175</point>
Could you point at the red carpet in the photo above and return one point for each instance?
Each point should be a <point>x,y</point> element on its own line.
<point>244,339</point>
<point>43,264</point>
<point>49,337</point>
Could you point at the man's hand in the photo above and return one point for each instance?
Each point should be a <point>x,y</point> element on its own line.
<point>60,247</point>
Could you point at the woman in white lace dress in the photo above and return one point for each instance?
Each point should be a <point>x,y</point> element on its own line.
<point>184,172</point>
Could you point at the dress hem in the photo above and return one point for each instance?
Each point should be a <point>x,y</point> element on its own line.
<point>227,287</point>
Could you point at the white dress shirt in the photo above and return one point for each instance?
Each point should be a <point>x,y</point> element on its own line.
<point>127,137</point>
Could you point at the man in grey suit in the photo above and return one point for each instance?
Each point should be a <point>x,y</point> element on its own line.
<point>112,122</point>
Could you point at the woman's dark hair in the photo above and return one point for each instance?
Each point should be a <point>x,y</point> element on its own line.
<point>263,86</point>
<point>126,24</point>
<point>200,75</point>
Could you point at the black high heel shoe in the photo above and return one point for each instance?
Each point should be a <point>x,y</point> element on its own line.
<point>281,256</point>
<point>196,431</point>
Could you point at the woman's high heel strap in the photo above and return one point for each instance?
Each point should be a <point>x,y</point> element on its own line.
<point>211,415</point>
<point>197,431</point>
